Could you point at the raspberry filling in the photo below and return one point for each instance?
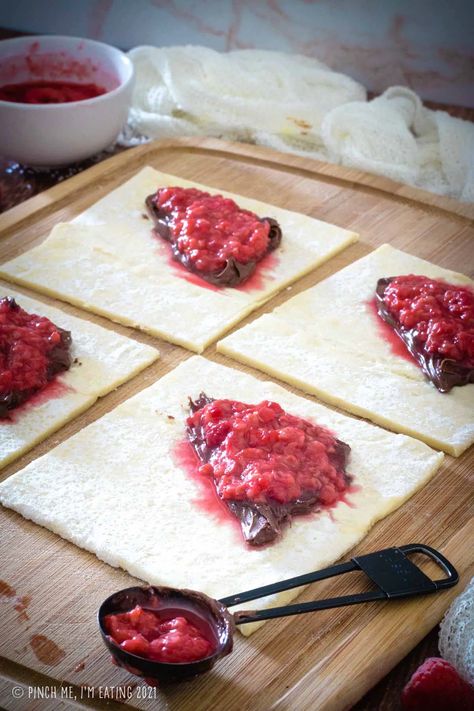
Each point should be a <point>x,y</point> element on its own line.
<point>435,320</point>
<point>211,235</point>
<point>266,464</point>
<point>32,351</point>
<point>49,92</point>
<point>159,637</point>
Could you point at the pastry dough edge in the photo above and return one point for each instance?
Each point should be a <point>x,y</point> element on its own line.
<point>284,597</point>
<point>93,309</point>
<point>54,427</point>
<point>290,595</point>
<point>348,407</point>
<point>197,346</point>
<point>70,416</point>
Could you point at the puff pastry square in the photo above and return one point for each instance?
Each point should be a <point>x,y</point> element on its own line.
<point>136,507</point>
<point>107,261</point>
<point>327,341</point>
<point>103,360</point>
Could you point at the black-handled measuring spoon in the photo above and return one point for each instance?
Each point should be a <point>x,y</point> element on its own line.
<point>393,573</point>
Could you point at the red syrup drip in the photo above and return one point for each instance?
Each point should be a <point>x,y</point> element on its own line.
<point>397,346</point>
<point>177,268</point>
<point>256,282</point>
<point>263,273</point>
<point>6,590</point>
<point>343,498</point>
<point>51,391</point>
<point>57,65</point>
<point>22,606</point>
<point>208,500</point>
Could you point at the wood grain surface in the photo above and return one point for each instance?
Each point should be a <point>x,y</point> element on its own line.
<point>324,661</point>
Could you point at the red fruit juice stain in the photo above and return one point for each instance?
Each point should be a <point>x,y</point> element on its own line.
<point>343,498</point>
<point>352,489</point>
<point>386,332</point>
<point>63,66</point>
<point>256,282</point>
<point>46,651</point>
<point>264,272</point>
<point>6,590</point>
<point>196,280</point>
<point>21,607</point>
<point>46,73</point>
<point>207,500</point>
<point>51,391</point>
<point>165,253</point>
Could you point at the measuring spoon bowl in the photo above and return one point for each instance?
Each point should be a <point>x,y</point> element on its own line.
<point>207,613</point>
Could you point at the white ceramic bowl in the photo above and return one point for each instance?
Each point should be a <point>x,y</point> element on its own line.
<point>56,134</point>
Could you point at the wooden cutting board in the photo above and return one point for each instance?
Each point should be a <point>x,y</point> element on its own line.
<point>50,589</point>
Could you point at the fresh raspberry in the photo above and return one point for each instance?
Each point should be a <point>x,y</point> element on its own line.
<point>436,686</point>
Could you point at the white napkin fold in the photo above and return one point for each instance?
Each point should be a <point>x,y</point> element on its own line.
<point>297,104</point>
<point>456,635</point>
<point>395,136</point>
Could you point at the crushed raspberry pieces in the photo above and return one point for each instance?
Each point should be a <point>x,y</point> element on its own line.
<point>264,455</point>
<point>440,315</point>
<point>152,635</point>
<point>436,686</point>
<point>210,229</point>
<point>32,351</point>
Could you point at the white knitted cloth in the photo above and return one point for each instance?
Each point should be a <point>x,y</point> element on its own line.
<point>456,635</point>
<point>297,104</point>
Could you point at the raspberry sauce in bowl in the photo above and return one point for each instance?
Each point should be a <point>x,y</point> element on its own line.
<point>49,92</point>
<point>63,99</point>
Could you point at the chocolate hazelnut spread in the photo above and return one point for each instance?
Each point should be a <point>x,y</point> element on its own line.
<point>262,521</point>
<point>444,372</point>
